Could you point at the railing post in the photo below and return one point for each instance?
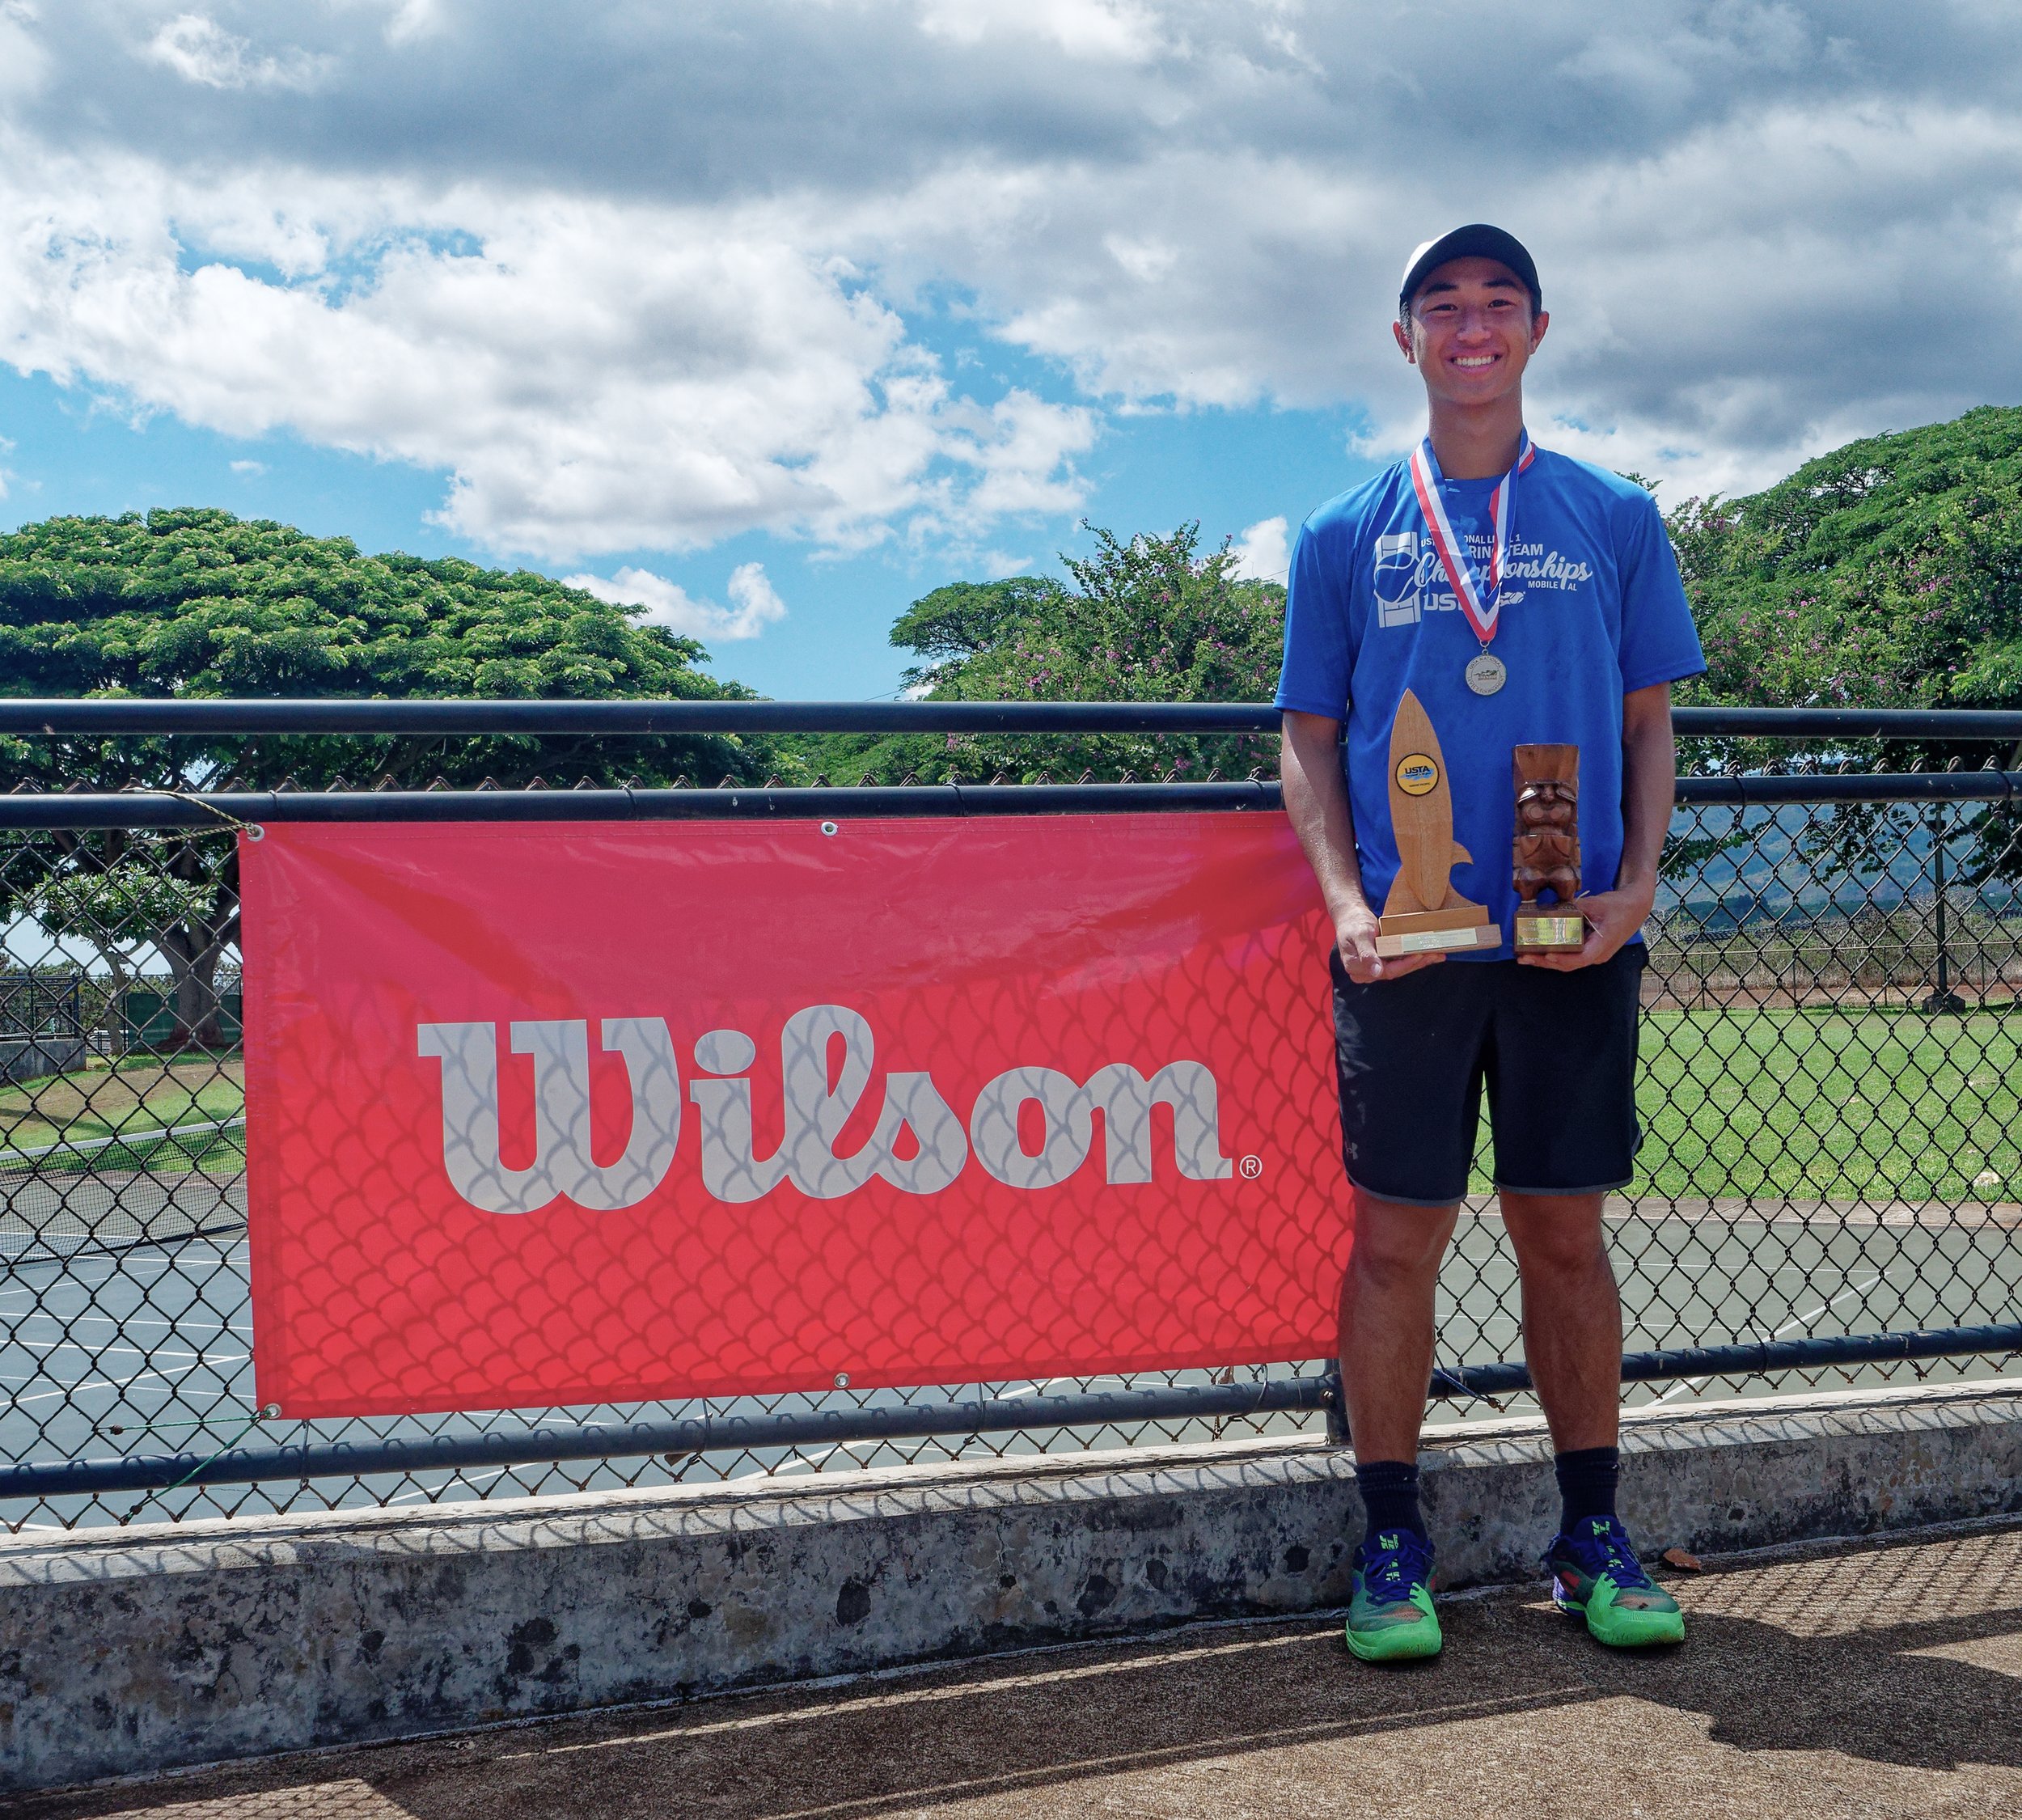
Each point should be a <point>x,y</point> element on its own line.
<point>1943,999</point>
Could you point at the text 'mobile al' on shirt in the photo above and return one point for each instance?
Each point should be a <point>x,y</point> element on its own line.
<point>1591,608</point>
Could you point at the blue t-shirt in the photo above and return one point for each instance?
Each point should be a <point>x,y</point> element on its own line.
<point>1591,608</point>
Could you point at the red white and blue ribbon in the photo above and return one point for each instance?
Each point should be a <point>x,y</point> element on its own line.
<point>1483,607</point>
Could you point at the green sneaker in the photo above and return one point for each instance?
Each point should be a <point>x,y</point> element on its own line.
<point>1390,1616</point>
<point>1595,1575</point>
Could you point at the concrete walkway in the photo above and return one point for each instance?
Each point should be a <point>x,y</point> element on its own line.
<point>1851,1680</point>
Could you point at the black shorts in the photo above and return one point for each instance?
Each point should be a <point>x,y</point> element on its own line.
<point>1558,1051</point>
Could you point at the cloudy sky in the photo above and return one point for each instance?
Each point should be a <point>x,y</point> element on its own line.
<point>771,315</point>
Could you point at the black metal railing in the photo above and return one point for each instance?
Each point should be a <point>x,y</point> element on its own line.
<point>1831,1189</point>
<point>183,716</point>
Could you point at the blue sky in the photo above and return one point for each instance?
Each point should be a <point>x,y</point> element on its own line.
<point>772,315</point>
<point>76,450</point>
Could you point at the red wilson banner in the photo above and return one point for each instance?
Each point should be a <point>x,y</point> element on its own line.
<point>585,1113</point>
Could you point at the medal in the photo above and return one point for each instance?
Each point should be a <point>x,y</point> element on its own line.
<point>1486,675</point>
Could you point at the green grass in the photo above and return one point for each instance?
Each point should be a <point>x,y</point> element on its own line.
<point>1823,1104</point>
<point>1811,1103</point>
<point>1831,1106</point>
<point>133,1103</point>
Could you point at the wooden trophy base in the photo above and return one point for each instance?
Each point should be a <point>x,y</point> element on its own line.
<point>1428,931</point>
<point>1552,931</point>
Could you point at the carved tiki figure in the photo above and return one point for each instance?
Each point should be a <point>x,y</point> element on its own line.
<point>1546,847</point>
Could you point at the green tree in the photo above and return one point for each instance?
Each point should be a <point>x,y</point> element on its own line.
<point>1886,574</point>
<point>1152,620</point>
<point>963,620</point>
<point>199,602</point>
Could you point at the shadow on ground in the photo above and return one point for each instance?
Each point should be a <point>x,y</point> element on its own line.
<point>1870,1679</point>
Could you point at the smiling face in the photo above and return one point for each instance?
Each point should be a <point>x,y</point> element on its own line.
<point>1473,331</point>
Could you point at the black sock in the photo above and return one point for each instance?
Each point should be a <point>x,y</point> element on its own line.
<point>1390,1497</point>
<point>1586,1484</point>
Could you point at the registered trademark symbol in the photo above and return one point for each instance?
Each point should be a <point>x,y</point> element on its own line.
<point>1251,1167</point>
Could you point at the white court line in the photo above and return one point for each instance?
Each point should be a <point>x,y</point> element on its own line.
<point>136,1319</point>
<point>194,1351</point>
<point>77,1282</point>
<point>810,1463</point>
<point>121,1323</point>
<point>1046,1384</point>
<point>163,1318</point>
<point>144,1253</point>
<point>120,1383</point>
<point>455,1479</point>
<point>93,1360</point>
<point>1795,1321</point>
<point>183,1330</point>
<point>801,1462</point>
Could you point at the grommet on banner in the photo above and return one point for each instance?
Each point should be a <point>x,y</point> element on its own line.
<point>254,832</point>
<point>842,1381</point>
<point>828,827</point>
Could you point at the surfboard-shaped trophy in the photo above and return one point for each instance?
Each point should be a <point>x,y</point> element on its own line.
<point>1423,914</point>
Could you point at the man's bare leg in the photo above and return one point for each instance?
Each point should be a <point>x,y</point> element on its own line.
<point>1573,1337</point>
<point>1386,1359</point>
<point>1387,1322</point>
<point>1572,1315</point>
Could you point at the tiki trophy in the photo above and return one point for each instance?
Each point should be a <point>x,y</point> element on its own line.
<point>1424,913</point>
<point>1547,849</point>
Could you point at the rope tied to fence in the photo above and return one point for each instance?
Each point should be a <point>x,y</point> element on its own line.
<point>237,823</point>
<point>266,1413</point>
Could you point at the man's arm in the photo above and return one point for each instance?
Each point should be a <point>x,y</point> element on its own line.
<point>1317,802</point>
<point>1649,774</point>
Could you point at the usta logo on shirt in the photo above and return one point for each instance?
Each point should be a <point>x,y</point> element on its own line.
<point>1408,581</point>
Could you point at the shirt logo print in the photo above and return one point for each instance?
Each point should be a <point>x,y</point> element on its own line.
<point>1408,583</point>
<point>1396,579</point>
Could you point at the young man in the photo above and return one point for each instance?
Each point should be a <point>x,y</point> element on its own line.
<point>1523,598</point>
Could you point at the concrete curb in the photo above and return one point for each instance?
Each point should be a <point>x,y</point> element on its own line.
<point>149,1648</point>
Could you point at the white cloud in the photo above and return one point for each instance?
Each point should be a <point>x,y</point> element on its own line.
<point>412,19</point>
<point>406,22</point>
<point>646,277</point>
<point>754,604</point>
<point>1105,30</point>
<point>1262,552</point>
<point>23,60</point>
<point>594,374</point>
<point>200,50</point>
<point>251,470</point>
<point>1022,451</point>
<point>1757,291</point>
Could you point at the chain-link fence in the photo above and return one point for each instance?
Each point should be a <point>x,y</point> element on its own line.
<point>1829,1092</point>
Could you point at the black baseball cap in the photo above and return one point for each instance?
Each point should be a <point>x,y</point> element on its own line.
<point>1477,240</point>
